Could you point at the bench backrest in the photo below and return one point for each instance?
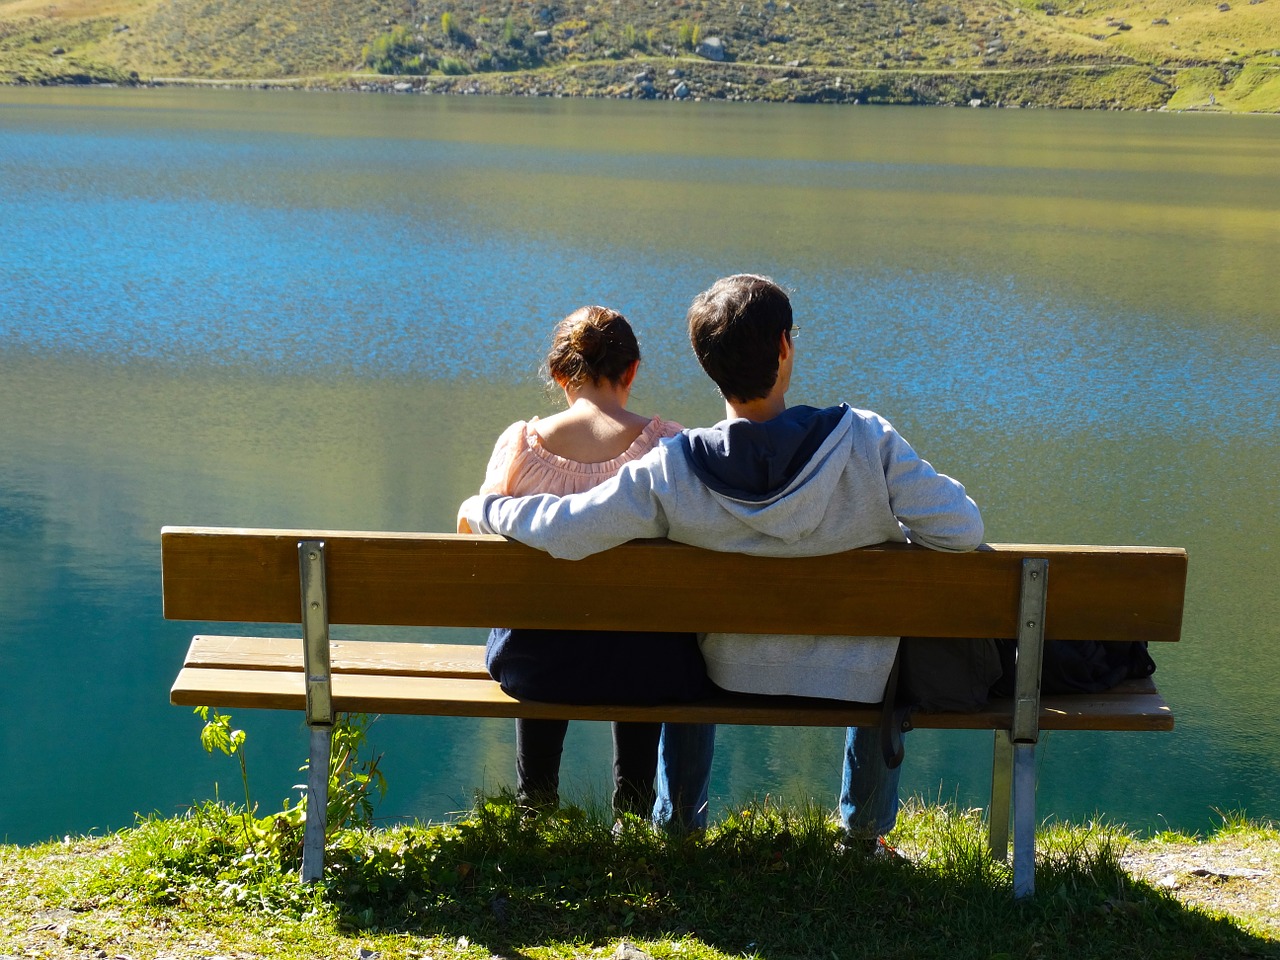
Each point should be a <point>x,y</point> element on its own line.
<point>418,579</point>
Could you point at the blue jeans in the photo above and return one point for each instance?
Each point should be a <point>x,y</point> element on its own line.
<point>684,776</point>
<point>868,788</point>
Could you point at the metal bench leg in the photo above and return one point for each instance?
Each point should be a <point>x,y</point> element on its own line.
<point>317,803</point>
<point>1001,795</point>
<point>1025,727</point>
<point>1024,820</point>
<point>318,677</point>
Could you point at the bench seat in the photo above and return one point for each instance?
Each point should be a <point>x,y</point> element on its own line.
<point>450,680</point>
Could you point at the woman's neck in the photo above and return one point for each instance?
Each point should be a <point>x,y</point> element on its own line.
<point>606,398</point>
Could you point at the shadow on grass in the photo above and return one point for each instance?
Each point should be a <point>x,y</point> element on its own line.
<point>764,882</point>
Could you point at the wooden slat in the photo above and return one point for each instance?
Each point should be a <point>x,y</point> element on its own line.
<point>454,697</point>
<point>251,576</point>
<point>346,656</point>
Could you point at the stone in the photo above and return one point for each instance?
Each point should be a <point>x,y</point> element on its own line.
<point>712,48</point>
<point>682,90</point>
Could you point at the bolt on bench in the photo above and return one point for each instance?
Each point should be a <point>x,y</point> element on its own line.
<point>316,578</point>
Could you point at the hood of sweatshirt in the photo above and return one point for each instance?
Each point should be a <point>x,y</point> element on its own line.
<point>778,476</point>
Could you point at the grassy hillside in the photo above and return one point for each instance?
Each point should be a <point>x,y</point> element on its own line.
<point>1185,54</point>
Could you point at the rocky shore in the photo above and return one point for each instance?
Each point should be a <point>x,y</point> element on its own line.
<point>1086,86</point>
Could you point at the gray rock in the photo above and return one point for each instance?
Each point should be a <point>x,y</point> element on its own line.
<point>712,48</point>
<point>402,87</point>
<point>629,951</point>
<point>682,90</point>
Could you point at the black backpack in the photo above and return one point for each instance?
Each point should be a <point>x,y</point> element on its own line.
<point>1078,666</point>
<point>961,675</point>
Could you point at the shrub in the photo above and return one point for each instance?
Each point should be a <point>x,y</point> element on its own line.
<point>395,52</point>
<point>512,35</point>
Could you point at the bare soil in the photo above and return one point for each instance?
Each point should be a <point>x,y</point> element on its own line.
<point>1235,874</point>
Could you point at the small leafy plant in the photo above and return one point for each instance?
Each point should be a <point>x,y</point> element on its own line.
<point>354,778</point>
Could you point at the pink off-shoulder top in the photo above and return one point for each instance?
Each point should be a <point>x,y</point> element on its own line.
<point>520,465</point>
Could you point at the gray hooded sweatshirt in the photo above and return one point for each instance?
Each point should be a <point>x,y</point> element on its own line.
<point>807,483</point>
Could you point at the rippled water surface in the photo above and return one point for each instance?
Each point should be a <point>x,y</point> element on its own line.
<point>319,310</point>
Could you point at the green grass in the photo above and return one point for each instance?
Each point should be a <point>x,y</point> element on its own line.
<point>763,882</point>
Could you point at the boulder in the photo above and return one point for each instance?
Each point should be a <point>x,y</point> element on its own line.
<point>712,48</point>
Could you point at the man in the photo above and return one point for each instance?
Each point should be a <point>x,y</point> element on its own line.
<point>774,480</point>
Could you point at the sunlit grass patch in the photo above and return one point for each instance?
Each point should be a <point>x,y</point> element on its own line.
<point>766,880</point>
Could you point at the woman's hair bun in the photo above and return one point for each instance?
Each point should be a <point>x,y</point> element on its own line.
<point>591,345</point>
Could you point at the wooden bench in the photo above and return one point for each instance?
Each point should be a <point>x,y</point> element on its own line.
<point>318,578</point>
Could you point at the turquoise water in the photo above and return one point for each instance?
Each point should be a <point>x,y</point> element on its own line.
<point>291,309</point>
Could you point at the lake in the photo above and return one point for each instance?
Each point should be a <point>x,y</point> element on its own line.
<point>319,310</point>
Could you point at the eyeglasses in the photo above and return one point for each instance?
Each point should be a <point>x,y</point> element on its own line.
<point>794,331</point>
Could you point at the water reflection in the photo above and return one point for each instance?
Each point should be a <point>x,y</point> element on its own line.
<point>277,310</point>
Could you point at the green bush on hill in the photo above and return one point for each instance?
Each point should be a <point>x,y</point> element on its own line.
<point>396,52</point>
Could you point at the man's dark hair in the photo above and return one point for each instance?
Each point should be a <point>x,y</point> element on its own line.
<point>735,328</point>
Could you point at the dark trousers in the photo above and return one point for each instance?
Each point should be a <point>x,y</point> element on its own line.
<point>594,666</point>
<point>539,744</point>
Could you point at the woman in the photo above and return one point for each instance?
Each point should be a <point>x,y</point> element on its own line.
<point>593,359</point>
